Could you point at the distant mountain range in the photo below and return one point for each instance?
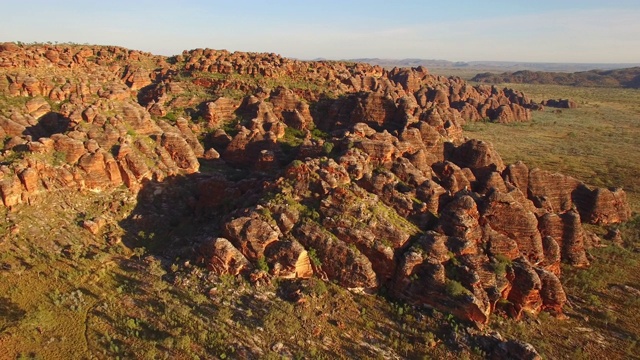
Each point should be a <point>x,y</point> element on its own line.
<point>494,65</point>
<point>628,77</point>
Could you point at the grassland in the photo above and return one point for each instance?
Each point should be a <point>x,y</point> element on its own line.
<point>603,312</point>
<point>66,293</point>
<point>597,143</point>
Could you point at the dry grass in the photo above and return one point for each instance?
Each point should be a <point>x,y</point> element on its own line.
<point>603,312</point>
<point>70,292</point>
<point>597,143</point>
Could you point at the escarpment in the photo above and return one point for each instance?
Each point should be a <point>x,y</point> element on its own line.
<point>347,172</point>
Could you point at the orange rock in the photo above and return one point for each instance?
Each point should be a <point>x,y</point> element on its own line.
<point>221,257</point>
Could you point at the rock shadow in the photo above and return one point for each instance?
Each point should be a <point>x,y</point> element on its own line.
<point>10,313</point>
<point>49,124</point>
<point>173,215</point>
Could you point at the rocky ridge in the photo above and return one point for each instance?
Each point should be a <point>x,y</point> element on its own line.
<point>626,78</point>
<point>355,174</point>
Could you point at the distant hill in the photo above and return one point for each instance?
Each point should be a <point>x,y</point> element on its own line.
<point>628,77</point>
<point>391,63</point>
<point>493,66</point>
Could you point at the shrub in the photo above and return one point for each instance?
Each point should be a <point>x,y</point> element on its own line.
<point>500,264</point>
<point>319,134</point>
<point>313,256</point>
<point>183,342</point>
<point>310,213</point>
<point>171,116</point>
<point>262,264</point>
<point>327,147</point>
<point>319,287</point>
<point>266,213</point>
<point>138,252</point>
<point>456,289</point>
<point>59,158</point>
<point>292,137</point>
<point>231,127</point>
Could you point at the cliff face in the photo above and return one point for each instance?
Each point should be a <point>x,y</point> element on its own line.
<point>354,174</point>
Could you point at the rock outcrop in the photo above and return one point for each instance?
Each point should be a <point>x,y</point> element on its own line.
<point>221,257</point>
<point>560,103</point>
<point>348,172</point>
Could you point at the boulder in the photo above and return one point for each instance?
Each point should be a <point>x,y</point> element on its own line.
<point>71,148</point>
<point>139,120</point>
<point>525,293</point>
<point>510,218</point>
<point>551,292</point>
<point>221,257</point>
<point>560,103</point>
<point>340,262</point>
<point>251,235</point>
<point>605,207</point>
<point>477,155</point>
<point>180,151</point>
<point>552,191</point>
<point>566,229</point>
<point>459,218</point>
<point>288,259</point>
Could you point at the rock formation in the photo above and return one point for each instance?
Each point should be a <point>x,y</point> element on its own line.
<point>352,173</point>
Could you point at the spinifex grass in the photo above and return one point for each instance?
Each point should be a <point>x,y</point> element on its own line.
<point>65,293</point>
<point>597,143</point>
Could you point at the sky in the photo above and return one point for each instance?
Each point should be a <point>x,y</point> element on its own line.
<point>576,31</point>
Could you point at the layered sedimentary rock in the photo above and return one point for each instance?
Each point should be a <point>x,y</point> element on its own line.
<point>348,172</point>
<point>222,257</point>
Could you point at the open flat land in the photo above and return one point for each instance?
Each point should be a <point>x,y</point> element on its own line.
<point>597,143</point>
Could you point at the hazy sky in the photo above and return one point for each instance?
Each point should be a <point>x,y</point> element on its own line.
<point>462,30</point>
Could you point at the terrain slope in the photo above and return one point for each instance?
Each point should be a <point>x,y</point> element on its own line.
<point>221,170</point>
